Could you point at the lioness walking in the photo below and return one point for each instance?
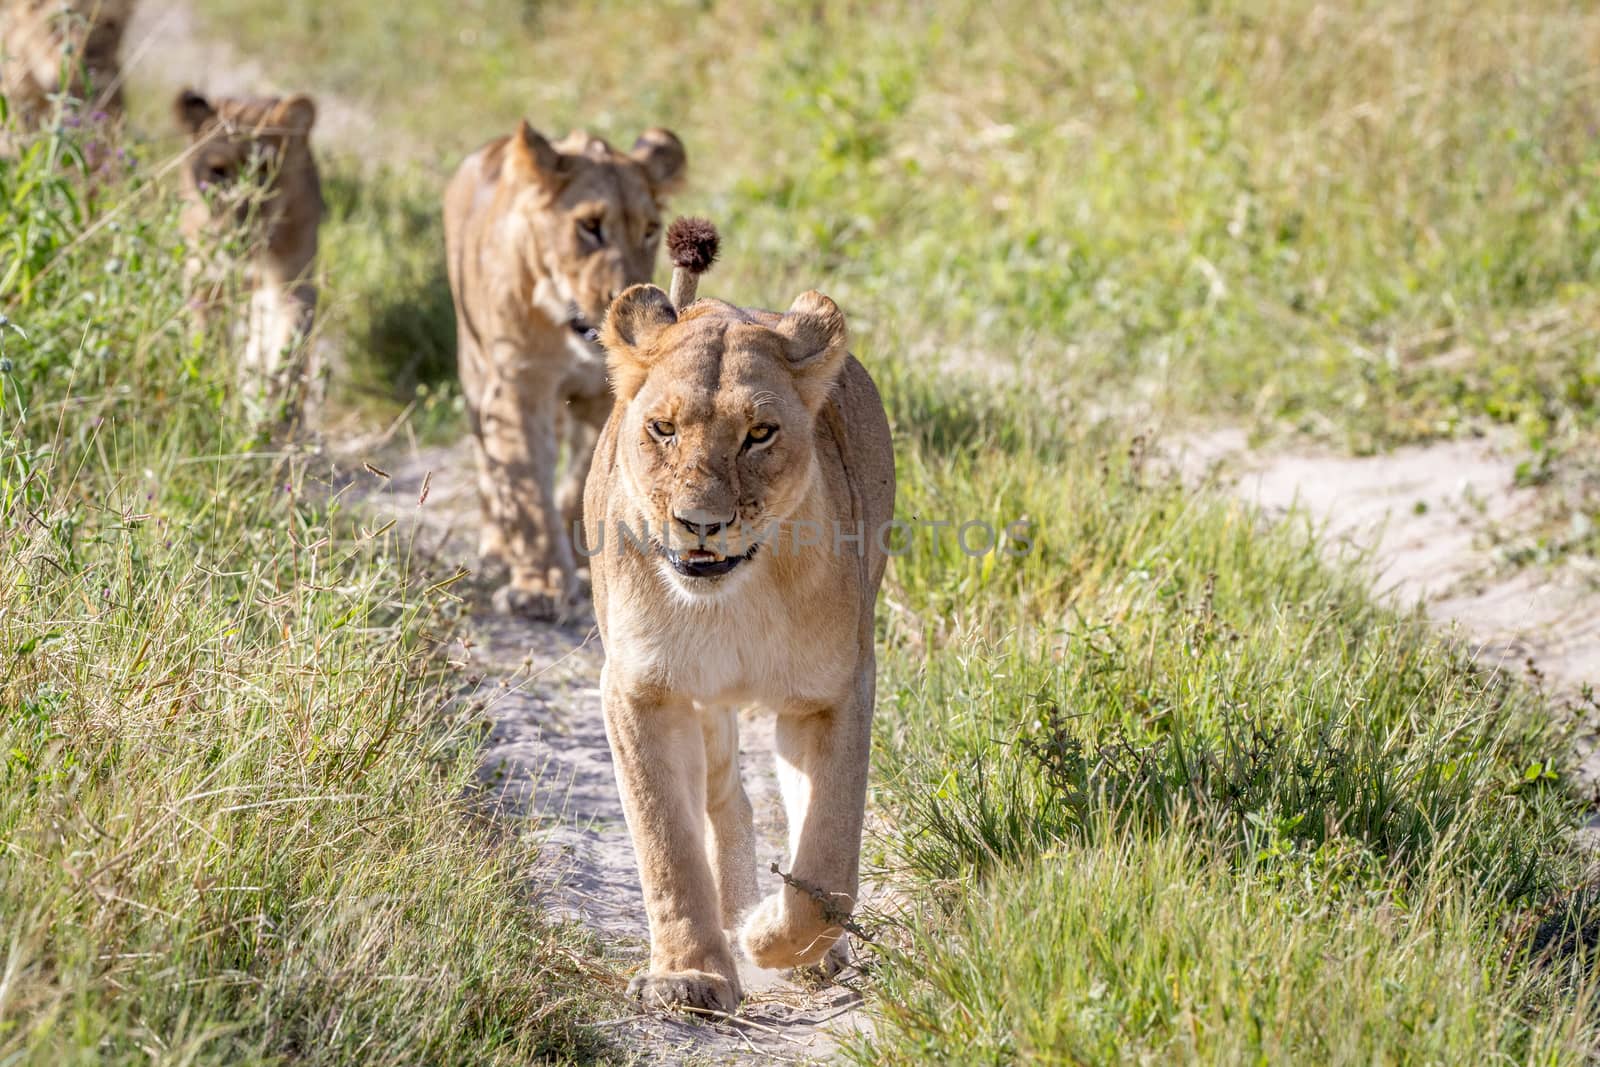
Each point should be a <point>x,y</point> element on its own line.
<point>540,237</point>
<point>733,431</point>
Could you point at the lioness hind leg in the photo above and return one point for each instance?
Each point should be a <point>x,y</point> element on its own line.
<point>822,768</point>
<point>660,757</point>
<point>730,830</point>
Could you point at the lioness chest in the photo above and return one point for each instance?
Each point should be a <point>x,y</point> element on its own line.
<point>750,644</point>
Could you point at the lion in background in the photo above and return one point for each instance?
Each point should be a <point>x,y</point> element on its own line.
<point>42,41</point>
<point>540,238</point>
<point>733,430</point>
<point>249,173</point>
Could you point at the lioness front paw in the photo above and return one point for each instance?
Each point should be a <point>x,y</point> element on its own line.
<point>685,989</point>
<point>779,936</point>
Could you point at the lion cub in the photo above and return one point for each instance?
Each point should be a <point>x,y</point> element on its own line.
<point>736,507</point>
<point>43,40</point>
<point>249,170</point>
<point>540,237</point>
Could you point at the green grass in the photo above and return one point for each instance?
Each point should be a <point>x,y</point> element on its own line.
<point>236,812</point>
<point>1166,787</point>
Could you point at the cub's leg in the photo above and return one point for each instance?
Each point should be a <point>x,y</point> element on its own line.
<point>660,756</point>
<point>822,769</point>
<point>730,830</point>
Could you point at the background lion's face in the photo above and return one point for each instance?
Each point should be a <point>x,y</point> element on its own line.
<point>238,146</point>
<point>591,215</point>
<point>716,443</point>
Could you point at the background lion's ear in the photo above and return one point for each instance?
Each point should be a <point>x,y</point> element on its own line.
<point>532,158</point>
<point>817,341</point>
<point>661,155</point>
<point>192,110</point>
<point>295,115</point>
<point>633,322</point>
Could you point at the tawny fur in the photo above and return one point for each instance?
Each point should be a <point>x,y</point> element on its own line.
<point>249,167</point>
<point>790,629</point>
<point>540,237</point>
<point>42,39</point>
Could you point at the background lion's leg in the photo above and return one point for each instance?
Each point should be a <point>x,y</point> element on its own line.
<point>517,433</point>
<point>822,768</point>
<point>730,830</point>
<point>660,757</point>
<point>491,547</point>
<point>586,417</point>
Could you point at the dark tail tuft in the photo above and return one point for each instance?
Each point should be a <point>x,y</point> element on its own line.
<point>692,243</point>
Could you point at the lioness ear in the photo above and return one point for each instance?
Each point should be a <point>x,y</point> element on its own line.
<point>633,322</point>
<point>192,110</point>
<point>534,159</point>
<point>817,338</point>
<point>295,116</point>
<point>661,155</point>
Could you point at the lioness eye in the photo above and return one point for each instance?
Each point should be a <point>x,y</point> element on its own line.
<point>761,433</point>
<point>651,232</point>
<point>594,230</point>
<point>663,428</point>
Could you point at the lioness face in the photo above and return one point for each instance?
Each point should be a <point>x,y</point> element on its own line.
<point>717,438</point>
<point>237,154</point>
<point>590,214</point>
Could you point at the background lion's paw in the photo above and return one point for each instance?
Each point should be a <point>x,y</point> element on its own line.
<point>527,604</point>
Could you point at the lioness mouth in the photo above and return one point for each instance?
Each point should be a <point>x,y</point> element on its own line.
<point>702,563</point>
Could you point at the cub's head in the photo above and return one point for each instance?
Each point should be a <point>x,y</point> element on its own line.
<point>244,152</point>
<point>716,438</point>
<point>590,215</point>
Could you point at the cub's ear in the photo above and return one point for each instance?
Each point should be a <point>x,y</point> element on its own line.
<point>817,338</point>
<point>531,158</point>
<point>295,116</point>
<point>192,110</point>
<point>661,155</point>
<point>633,322</point>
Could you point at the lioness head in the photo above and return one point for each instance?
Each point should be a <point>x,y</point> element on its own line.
<point>717,408</point>
<point>590,214</point>
<point>243,152</point>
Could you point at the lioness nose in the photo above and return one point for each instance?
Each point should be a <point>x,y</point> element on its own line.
<point>699,522</point>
